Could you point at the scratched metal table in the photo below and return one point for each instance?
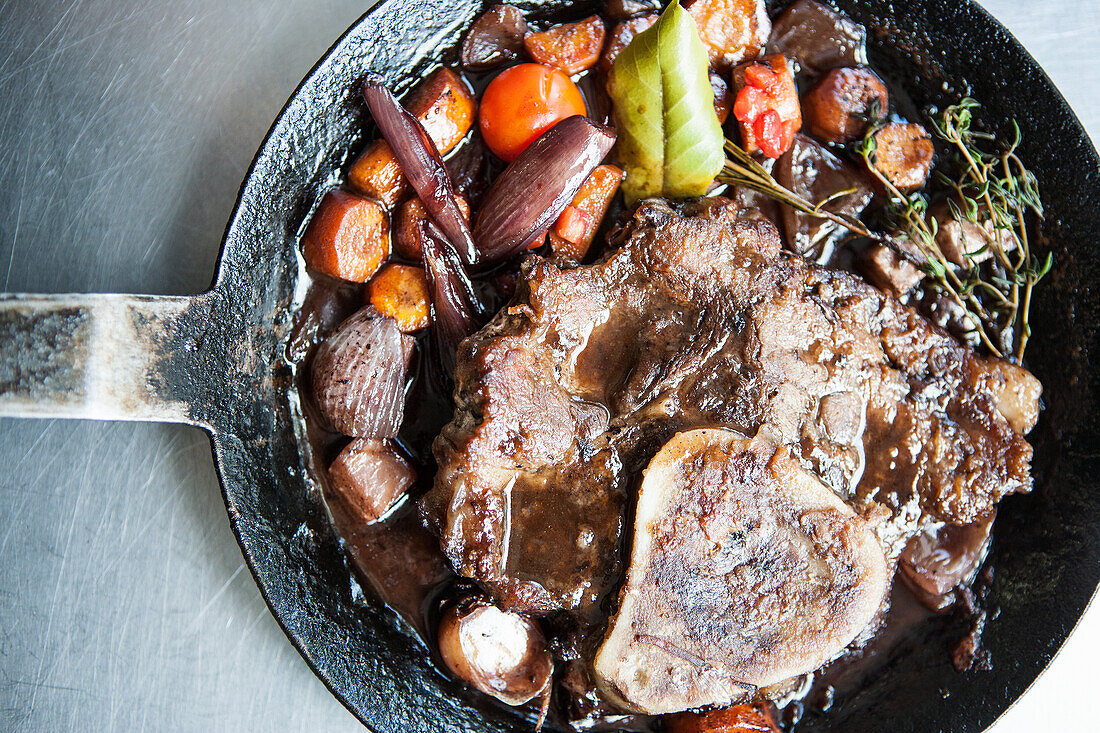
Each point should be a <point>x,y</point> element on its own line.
<point>125,130</point>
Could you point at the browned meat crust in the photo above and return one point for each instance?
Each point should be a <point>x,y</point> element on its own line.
<point>699,320</point>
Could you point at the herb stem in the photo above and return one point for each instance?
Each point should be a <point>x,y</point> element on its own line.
<point>993,192</point>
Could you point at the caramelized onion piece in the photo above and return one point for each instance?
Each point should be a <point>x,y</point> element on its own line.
<point>455,307</point>
<point>421,163</point>
<point>359,376</point>
<point>531,193</point>
<point>500,653</point>
<point>369,477</point>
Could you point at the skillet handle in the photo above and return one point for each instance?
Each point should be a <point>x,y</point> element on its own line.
<point>102,357</point>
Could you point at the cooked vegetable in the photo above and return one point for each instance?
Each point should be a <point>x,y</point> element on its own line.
<point>767,105</point>
<point>406,226</point>
<point>495,38</point>
<point>669,136</point>
<point>571,225</point>
<point>455,307</point>
<point>401,292</point>
<point>348,237</point>
<point>621,36</point>
<point>733,30</point>
<point>500,653</point>
<point>571,47</point>
<point>817,38</point>
<point>843,103</point>
<point>534,190</point>
<point>470,168</point>
<point>755,718</point>
<point>904,153</point>
<point>369,477</point>
<point>443,104</point>
<point>576,227</point>
<point>993,187</point>
<point>421,164</point>
<point>327,303</point>
<point>358,376</point>
<point>723,98</point>
<point>523,102</point>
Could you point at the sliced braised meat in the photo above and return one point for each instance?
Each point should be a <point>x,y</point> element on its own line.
<point>369,477</point>
<point>818,38</point>
<point>745,571</point>
<point>814,173</point>
<point>700,320</point>
<point>399,559</point>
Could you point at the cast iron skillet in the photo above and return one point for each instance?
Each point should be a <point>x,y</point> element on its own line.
<point>216,360</point>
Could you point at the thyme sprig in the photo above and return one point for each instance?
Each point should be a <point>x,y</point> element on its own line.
<point>741,169</point>
<point>992,190</point>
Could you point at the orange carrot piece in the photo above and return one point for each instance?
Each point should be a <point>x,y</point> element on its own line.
<point>348,237</point>
<point>444,105</point>
<point>755,718</point>
<point>401,292</point>
<point>407,239</point>
<point>592,201</point>
<point>732,30</point>
<point>572,224</point>
<point>571,47</point>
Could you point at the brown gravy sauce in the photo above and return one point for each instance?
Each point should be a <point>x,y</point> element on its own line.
<point>401,562</point>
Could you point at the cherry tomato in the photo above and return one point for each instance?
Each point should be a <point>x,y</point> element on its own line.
<point>523,102</point>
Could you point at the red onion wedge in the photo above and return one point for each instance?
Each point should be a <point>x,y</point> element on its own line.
<point>370,477</point>
<point>359,376</point>
<point>421,163</point>
<point>456,311</point>
<point>526,199</point>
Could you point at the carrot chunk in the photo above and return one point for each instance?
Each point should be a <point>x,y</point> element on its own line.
<point>576,227</point>
<point>401,292</point>
<point>755,718</point>
<point>444,105</point>
<point>407,237</point>
<point>733,30</point>
<point>572,224</point>
<point>571,47</point>
<point>348,237</point>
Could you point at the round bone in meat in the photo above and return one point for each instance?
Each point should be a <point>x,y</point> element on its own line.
<point>745,570</point>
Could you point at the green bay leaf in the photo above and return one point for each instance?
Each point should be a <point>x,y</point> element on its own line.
<point>670,140</point>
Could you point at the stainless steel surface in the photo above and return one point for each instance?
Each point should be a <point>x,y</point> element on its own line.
<point>125,131</point>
